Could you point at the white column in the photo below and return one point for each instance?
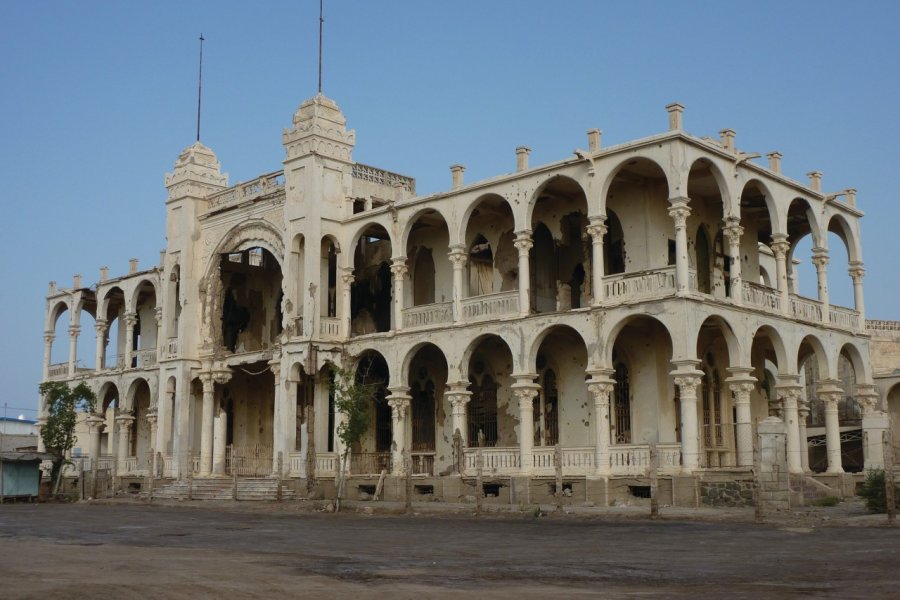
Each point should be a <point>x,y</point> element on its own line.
<point>123,424</point>
<point>152,421</point>
<point>790,395</point>
<point>856,273</point>
<point>206,424</point>
<point>278,444</point>
<point>523,244</point>
<point>687,382</point>
<point>398,400</point>
<point>597,229</point>
<point>220,440</point>
<point>742,384</point>
<point>49,336</point>
<point>74,330</point>
<point>95,424</point>
<point>100,327</point>
<point>399,271</point>
<point>347,278</point>
<point>780,247</point>
<point>733,231</point>
<point>130,322</point>
<point>820,260</point>
<point>458,259</point>
<point>830,394</point>
<point>165,404</point>
<point>525,391</point>
<point>803,413</point>
<point>600,387</point>
<point>459,397</point>
<point>874,424</point>
<point>679,211</point>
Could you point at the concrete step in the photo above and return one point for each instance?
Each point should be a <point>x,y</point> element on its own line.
<point>260,489</point>
<point>811,488</point>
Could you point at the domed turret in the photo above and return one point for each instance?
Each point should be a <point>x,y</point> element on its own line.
<point>319,128</point>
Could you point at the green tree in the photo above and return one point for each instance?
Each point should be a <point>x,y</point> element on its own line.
<point>874,491</point>
<point>58,432</point>
<point>352,398</point>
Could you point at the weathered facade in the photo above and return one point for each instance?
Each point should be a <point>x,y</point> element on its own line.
<point>639,294</point>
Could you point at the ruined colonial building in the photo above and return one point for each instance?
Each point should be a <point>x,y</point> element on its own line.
<point>637,294</point>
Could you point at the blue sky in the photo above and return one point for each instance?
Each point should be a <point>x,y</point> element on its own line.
<point>99,98</point>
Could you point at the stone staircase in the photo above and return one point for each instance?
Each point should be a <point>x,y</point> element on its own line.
<point>248,488</point>
<point>810,488</point>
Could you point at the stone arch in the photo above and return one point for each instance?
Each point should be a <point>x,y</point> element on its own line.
<point>799,210</point>
<point>138,287</point>
<point>367,352</point>
<point>762,199</point>
<point>617,328</point>
<point>105,388</point>
<point>861,367</point>
<point>57,309</point>
<point>413,219</point>
<point>778,346</point>
<point>412,351</point>
<point>131,390</point>
<point>736,354</point>
<point>811,345</point>
<point>253,233</point>
<point>838,225</point>
<point>466,356</point>
<point>542,334</point>
<point>728,207</point>
<point>649,164</point>
<point>463,225</point>
<point>566,183</point>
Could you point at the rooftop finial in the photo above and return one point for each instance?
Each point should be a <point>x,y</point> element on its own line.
<point>321,23</point>
<point>199,87</point>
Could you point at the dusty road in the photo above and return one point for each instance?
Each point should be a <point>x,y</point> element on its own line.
<point>134,551</point>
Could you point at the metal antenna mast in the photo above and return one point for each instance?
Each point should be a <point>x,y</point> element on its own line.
<point>199,87</point>
<point>321,22</point>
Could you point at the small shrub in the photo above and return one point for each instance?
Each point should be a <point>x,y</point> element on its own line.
<point>826,501</point>
<point>873,492</point>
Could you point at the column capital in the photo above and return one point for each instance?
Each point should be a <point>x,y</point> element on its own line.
<point>789,393</point>
<point>158,314</point>
<point>274,365</point>
<point>856,271</point>
<point>49,336</point>
<point>597,228</point>
<point>101,325</point>
<point>829,391</point>
<point>347,275</point>
<point>74,330</point>
<point>780,245</point>
<point>459,399</point>
<point>867,398</point>
<point>95,423</point>
<point>206,378</point>
<point>600,389</point>
<point>523,241</point>
<point>398,267</point>
<point>733,231</point>
<point>685,380</point>
<point>130,319</point>
<point>124,419</point>
<point>458,256</point>
<point>803,410</point>
<point>740,374</point>
<point>679,210</point>
<point>820,258</point>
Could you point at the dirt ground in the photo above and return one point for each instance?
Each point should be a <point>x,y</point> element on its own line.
<point>257,550</point>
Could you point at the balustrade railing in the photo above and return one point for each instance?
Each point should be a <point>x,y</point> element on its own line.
<point>882,325</point>
<point>297,464</point>
<point>146,359</point>
<point>761,296</point>
<point>428,315</point>
<point>382,177</point>
<point>634,459</point>
<point>329,327</point>
<point>574,461</point>
<point>490,306</point>
<point>806,309</point>
<point>636,286</point>
<point>265,185</point>
<point>496,461</point>
<point>422,463</point>
<point>843,317</point>
<point>326,464</point>
<point>58,371</point>
<point>369,463</point>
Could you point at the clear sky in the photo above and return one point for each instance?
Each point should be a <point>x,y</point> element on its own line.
<point>98,99</point>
